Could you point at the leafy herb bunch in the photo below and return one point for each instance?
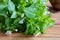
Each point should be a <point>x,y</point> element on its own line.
<point>27,16</point>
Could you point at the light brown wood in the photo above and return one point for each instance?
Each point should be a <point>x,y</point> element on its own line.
<point>51,34</point>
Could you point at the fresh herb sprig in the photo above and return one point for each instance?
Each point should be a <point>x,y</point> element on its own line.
<point>27,16</point>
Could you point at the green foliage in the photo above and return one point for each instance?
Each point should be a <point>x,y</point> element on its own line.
<point>27,16</point>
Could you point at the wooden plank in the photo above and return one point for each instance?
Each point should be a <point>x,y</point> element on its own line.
<point>24,38</point>
<point>27,38</point>
<point>56,17</point>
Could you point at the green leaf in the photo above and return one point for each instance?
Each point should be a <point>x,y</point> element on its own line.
<point>5,2</point>
<point>20,8</point>
<point>11,6</point>
<point>29,14</point>
<point>16,21</point>
<point>37,32</point>
<point>30,11</point>
<point>7,22</point>
<point>1,1</point>
<point>3,13</point>
<point>2,6</point>
<point>14,14</point>
<point>0,26</point>
<point>22,21</point>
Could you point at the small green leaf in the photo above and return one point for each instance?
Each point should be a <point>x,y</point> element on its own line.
<point>30,11</point>
<point>11,6</point>
<point>37,32</point>
<point>16,21</point>
<point>14,14</point>
<point>2,6</point>
<point>29,14</point>
<point>7,22</point>
<point>20,8</point>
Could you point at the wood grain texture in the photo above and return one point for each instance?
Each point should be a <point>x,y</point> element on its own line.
<point>51,34</point>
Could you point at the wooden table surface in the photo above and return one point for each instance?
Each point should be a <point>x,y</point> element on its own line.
<point>51,34</point>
